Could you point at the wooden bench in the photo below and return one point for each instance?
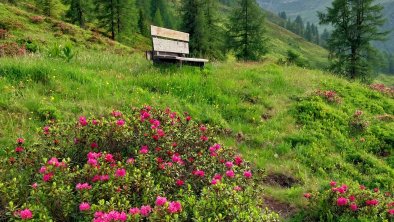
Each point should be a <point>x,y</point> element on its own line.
<point>170,46</point>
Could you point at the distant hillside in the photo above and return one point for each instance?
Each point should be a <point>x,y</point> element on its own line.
<point>307,9</point>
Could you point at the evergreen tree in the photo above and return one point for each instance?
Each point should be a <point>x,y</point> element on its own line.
<point>356,23</point>
<point>78,11</point>
<point>215,48</point>
<point>283,15</point>
<point>117,16</point>
<point>157,19</point>
<point>299,26</point>
<point>193,22</point>
<point>246,31</point>
<point>48,7</point>
<point>324,38</point>
<point>143,23</point>
<point>391,64</point>
<point>308,32</point>
<point>162,6</point>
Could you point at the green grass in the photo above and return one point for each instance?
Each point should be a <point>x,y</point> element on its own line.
<point>270,112</point>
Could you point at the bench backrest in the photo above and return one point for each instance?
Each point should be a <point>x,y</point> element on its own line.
<point>169,41</point>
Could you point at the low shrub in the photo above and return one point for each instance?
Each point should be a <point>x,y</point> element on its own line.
<point>358,123</point>
<point>349,203</point>
<point>12,49</point>
<point>383,89</point>
<point>37,19</point>
<point>3,33</point>
<point>329,95</point>
<point>147,165</point>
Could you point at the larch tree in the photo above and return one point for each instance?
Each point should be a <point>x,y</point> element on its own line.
<point>246,31</point>
<point>355,24</point>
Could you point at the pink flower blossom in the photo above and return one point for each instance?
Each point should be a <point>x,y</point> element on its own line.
<point>362,187</point>
<point>145,210</point>
<point>203,128</point>
<point>160,201</point>
<point>214,181</point>
<point>248,174</point>
<point>43,170</point>
<point>333,183</point>
<point>53,161</point>
<point>204,138</point>
<point>230,174</point>
<point>199,173</point>
<point>93,155</point>
<point>352,198</point>
<point>373,202</point>
<point>341,201</point>
<point>120,122</point>
<point>84,206</point>
<point>84,186</point>
<point>237,188</point>
<point>376,190</point>
<point>229,164</point>
<point>307,195</point>
<point>120,172</point>
<point>94,145</point>
<point>47,177</point>
<point>130,161</point>
<point>180,183</point>
<point>144,150</point>
<point>390,211</point>
<point>238,160</point>
<point>95,122</point>
<point>176,158</point>
<point>109,158</point>
<point>92,162</point>
<point>83,121</point>
<point>188,118</point>
<point>20,141</point>
<point>134,211</point>
<point>104,178</point>
<point>353,207</point>
<point>116,113</point>
<point>144,115</point>
<point>34,185</point>
<point>26,214</point>
<point>217,177</point>
<point>174,207</point>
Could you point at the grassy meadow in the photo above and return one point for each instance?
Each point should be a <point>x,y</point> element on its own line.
<point>270,112</point>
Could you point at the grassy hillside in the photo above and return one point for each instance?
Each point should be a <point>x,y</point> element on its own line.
<point>274,114</point>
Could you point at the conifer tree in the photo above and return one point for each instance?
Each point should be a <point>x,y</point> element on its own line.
<point>246,31</point>
<point>117,16</point>
<point>157,19</point>
<point>193,22</point>
<point>356,23</point>
<point>48,7</point>
<point>79,11</point>
<point>215,48</point>
<point>167,17</point>
<point>143,23</point>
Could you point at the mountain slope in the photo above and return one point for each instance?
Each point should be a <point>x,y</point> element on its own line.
<point>273,113</point>
<point>308,8</point>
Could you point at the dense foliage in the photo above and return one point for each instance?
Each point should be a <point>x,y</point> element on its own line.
<point>149,164</point>
<point>349,202</point>
<point>356,24</point>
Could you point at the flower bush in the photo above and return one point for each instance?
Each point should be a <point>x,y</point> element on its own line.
<point>342,202</point>
<point>147,165</point>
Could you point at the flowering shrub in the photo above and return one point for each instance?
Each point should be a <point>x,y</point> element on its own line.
<point>37,19</point>
<point>383,89</point>
<point>358,123</point>
<point>150,165</point>
<point>12,49</point>
<point>3,33</point>
<point>329,95</point>
<point>349,203</point>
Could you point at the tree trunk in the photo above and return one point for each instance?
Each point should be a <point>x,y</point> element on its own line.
<point>112,20</point>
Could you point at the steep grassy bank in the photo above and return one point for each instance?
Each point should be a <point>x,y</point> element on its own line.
<point>274,114</point>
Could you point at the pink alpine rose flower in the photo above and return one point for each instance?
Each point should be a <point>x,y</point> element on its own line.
<point>20,141</point>
<point>120,172</point>
<point>120,122</point>
<point>26,214</point>
<point>248,174</point>
<point>145,210</point>
<point>160,201</point>
<point>180,183</point>
<point>229,164</point>
<point>333,183</point>
<point>341,201</point>
<point>230,174</point>
<point>144,150</point>
<point>83,121</point>
<point>174,207</point>
<point>134,211</point>
<point>353,207</point>
<point>84,206</point>
<point>199,173</point>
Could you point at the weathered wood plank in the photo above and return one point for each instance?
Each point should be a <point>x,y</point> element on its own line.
<point>165,45</point>
<point>168,33</point>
